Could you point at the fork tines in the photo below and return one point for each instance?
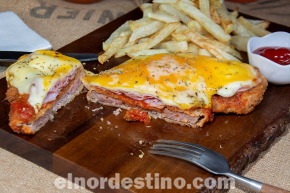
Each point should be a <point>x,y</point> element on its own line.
<point>177,149</point>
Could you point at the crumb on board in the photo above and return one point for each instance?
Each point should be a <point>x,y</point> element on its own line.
<point>141,142</point>
<point>108,122</point>
<point>97,109</point>
<point>117,111</point>
<point>142,154</point>
<point>102,119</point>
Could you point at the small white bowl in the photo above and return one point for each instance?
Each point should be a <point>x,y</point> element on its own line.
<point>273,72</point>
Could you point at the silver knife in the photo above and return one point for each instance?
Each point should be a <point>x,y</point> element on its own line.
<point>12,56</point>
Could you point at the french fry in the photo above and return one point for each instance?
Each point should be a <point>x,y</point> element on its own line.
<point>216,3</point>
<point>145,5</point>
<point>117,32</point>
<point>225,48</point>
<point>252,27</point>
<point>226,21</point>
<point>181,29</point>
<point>156,7</point>
<point>152,41</point>
<point>179,37</point>
<point>234,14</point>
<point>214,50</point>
<point>146,30</point>
<point>148,52</point>
<point>130,49</point>
<point>214,15</point>
<point>142,40</point>
<point>204,52</point>
<point>261,23</point>
<point>128,44</point>
<point>175,47</point>
<point>195,26</point>
<point>206,22</point>
<point>116,44</point>
<point>192,48</point>
<point>200,41</point>
<point>228,56</point>
<point>209,36</point>
<point>264,24</point>
<point>240,42</point>
<point>146,8</point>
<point>164,17</point>
<point>139,23</point>
<point>162,34</point>
<point>191,2</point>
<point>204,7</point>
<point>178,34</point>
<point>242,31</point>
<point>239,29</point>
<point>168,38</point>
<point>175,12</point>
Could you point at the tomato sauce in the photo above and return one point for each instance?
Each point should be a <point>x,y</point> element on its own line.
<point>137,115</point>
<point>280,55</point>
<point>24,111</point>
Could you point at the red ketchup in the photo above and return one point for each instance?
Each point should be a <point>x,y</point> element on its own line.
<point>280,55</point>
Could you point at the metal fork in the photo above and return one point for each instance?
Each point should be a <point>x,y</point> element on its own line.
<point>209,160</point>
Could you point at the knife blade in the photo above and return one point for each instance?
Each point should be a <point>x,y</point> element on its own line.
<point>12,56</point>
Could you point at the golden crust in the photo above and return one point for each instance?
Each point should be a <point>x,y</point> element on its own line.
<point>242,102</point>
<point>12,93</point>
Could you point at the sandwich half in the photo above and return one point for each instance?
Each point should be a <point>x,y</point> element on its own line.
<point>38,85</point>
<point>181,89</point>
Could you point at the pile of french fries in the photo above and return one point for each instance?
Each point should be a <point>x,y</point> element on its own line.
<point>198,27</point>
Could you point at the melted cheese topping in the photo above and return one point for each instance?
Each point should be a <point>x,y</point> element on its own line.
<point>181,81</point>
<point>37,73</point>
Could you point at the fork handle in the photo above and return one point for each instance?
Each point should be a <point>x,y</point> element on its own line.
<point>251,184</point>
<point>255,185</point>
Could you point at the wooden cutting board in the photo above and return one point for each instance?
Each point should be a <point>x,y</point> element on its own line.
<point>89,140</point>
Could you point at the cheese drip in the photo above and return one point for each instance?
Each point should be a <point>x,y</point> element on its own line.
<point>36,74</point>
<point>183,81</point>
